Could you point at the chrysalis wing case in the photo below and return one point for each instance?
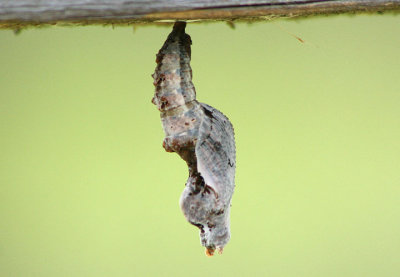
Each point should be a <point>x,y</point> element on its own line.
<point>202,136</point>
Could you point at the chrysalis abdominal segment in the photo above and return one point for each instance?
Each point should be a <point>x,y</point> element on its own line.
<point>202,136</point>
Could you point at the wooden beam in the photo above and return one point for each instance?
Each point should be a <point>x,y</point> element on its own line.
<point>21,13</point>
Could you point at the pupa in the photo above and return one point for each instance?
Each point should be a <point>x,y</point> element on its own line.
<point>202,136</point>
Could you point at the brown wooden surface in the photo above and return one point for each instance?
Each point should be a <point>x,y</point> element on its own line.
<point>20,13</point>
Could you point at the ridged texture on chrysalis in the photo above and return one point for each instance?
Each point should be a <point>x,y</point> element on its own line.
<point>202,136</point>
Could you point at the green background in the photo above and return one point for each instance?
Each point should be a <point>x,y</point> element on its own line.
<point>86,188</point>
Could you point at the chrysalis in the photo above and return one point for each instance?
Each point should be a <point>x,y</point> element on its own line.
<point>202,136</point>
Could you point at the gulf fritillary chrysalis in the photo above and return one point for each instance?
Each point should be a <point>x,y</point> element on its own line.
<point>202,136</point>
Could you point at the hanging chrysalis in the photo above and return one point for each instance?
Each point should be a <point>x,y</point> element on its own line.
<point>202,136</point>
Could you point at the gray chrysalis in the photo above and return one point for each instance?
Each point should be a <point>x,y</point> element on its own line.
<point>202,136</point>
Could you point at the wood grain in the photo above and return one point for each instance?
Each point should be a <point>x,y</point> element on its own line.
<point>20,13</point>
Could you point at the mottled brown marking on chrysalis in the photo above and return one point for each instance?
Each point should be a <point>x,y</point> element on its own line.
<point>202,136</point>
<point>173,75</point>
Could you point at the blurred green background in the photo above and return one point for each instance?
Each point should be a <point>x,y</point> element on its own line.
<point>86,188</point>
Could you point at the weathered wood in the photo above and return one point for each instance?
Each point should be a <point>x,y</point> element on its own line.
<point>19,13</point>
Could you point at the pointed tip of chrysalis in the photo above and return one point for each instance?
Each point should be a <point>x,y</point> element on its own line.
<point>210,251</point>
